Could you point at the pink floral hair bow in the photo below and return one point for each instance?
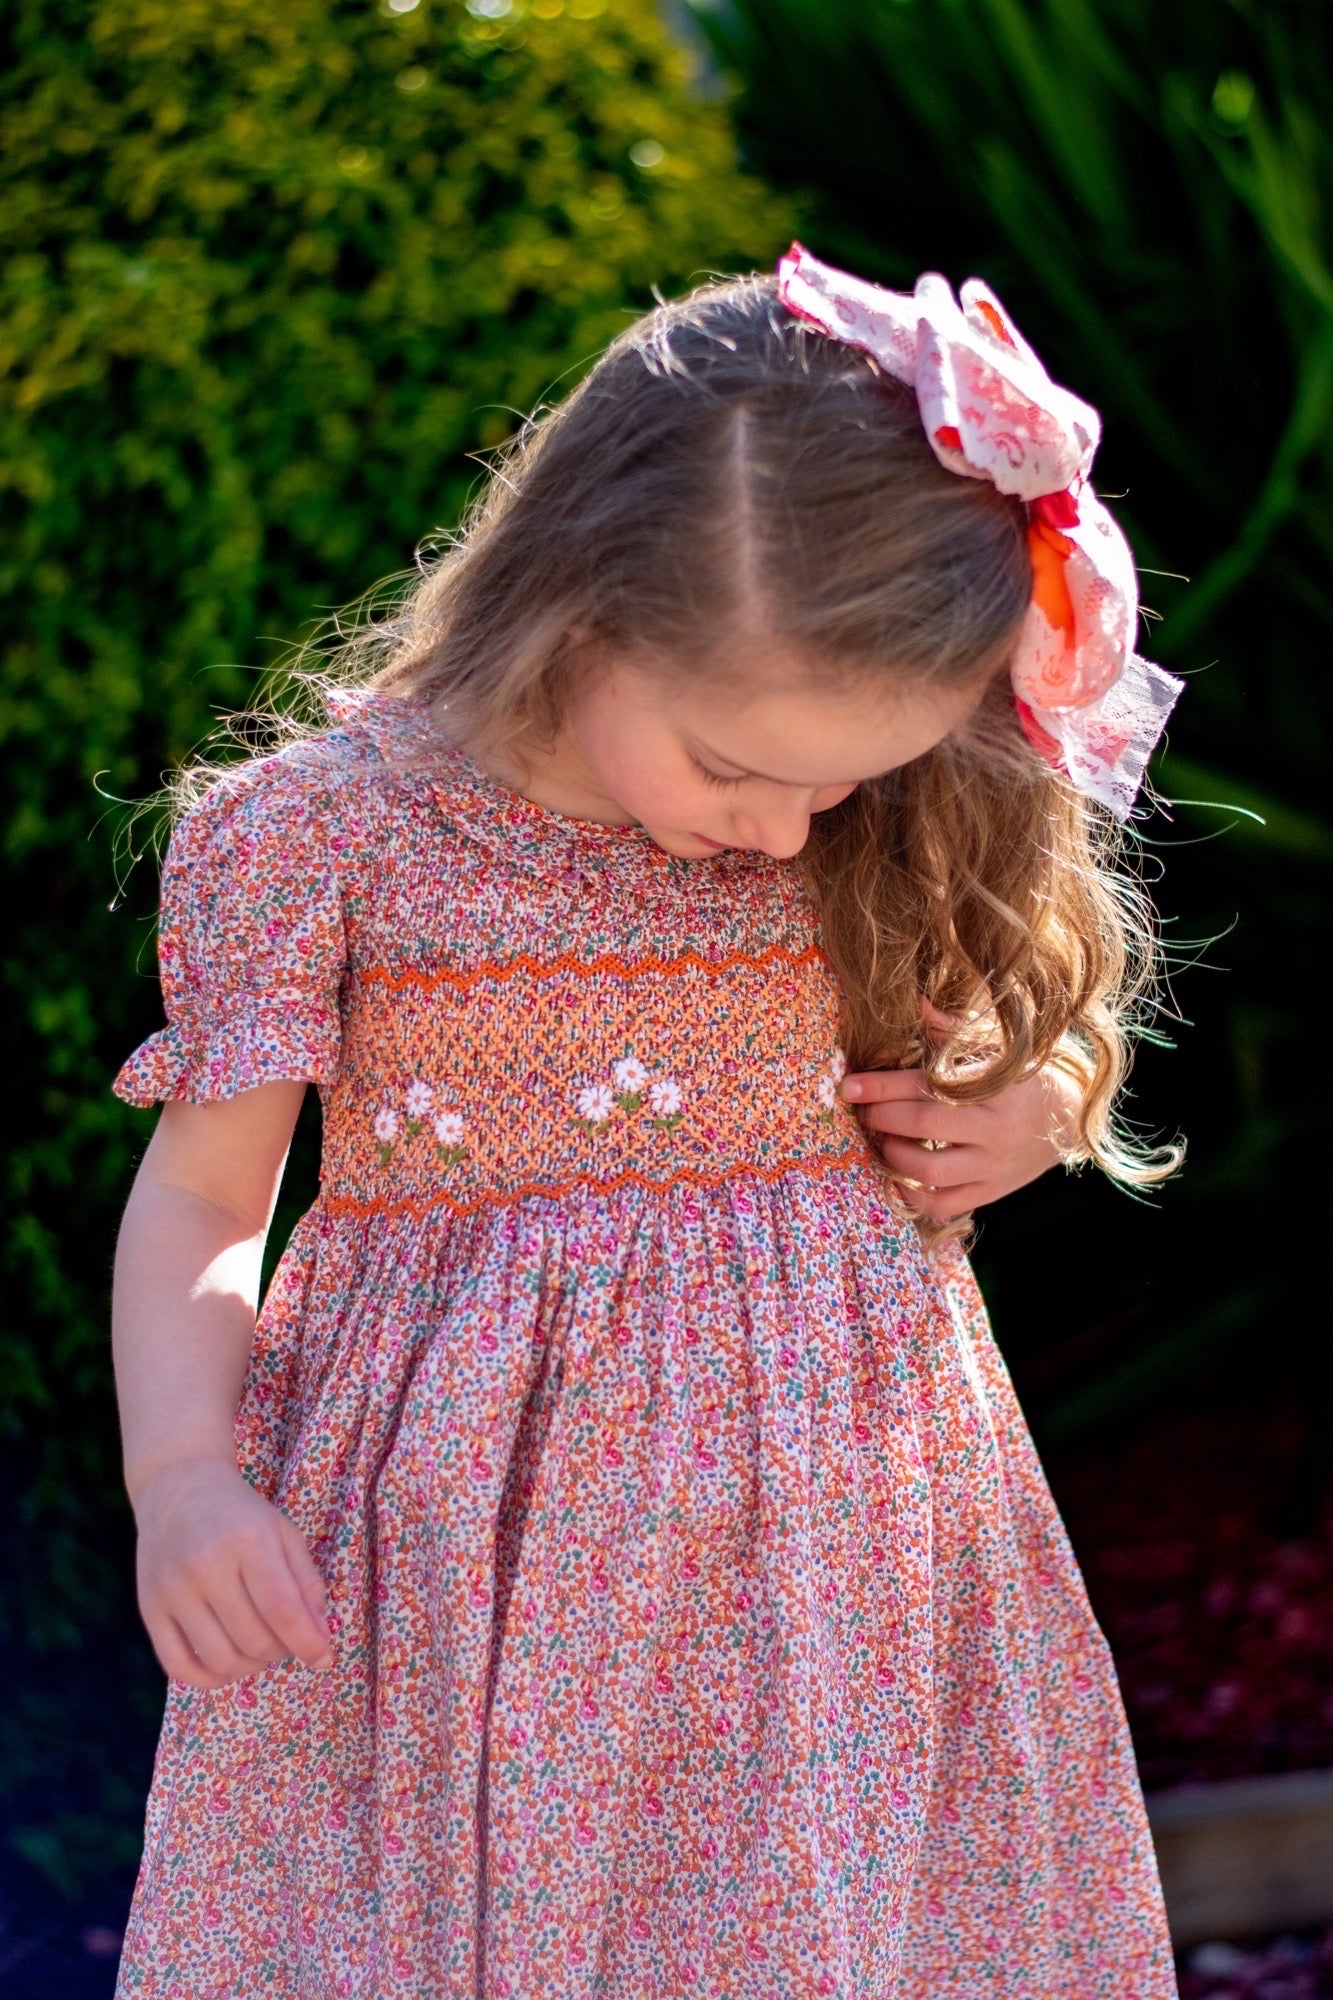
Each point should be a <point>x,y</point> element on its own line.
<point>1087,702</point>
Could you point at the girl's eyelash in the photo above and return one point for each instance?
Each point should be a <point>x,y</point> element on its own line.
<point>713,777</point>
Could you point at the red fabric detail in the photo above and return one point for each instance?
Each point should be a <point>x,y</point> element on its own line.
<point>788,267</point>
<point>949,436</point>
<point>1058,510</point>
<point>1049,551</point>
<point>1041,739</point>
<point>609,962</point>
<point>995,323</point>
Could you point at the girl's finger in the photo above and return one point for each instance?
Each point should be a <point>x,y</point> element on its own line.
<point>957,1124</point>
<point>879,1086</point>
<point>938,1025</point>
<point>304,1568</point>
<point>282,1603</point>
<point>176,1656</point>
<point>946,1205</point>
<point>953,1168</point>
<point>244,1623</point>
<point>208,1640</point>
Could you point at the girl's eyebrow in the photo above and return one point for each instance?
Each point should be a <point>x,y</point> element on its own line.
<point>795,783</point>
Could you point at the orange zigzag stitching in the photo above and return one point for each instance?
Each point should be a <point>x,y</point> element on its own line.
<point>419,1206</point>
<point>582,968</point>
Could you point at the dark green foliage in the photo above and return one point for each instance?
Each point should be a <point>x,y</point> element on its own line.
<point>271,271</point>
<point>1148,187</point>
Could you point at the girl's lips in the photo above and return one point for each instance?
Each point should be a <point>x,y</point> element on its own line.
<point>720,845</point>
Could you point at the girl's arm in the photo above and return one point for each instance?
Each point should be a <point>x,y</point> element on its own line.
<point>226,1582</point>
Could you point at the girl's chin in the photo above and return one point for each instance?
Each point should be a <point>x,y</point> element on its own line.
<point>684,843</point>
<point>689,846</point>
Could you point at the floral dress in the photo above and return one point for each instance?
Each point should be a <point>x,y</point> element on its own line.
<point>705,1628</point>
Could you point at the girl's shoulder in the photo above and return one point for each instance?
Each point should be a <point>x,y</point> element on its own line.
<point>333,797</point>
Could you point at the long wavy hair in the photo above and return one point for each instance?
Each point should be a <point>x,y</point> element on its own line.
<point>725,470</point>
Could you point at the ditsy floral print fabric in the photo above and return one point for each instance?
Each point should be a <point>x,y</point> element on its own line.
<point>705,1626</point>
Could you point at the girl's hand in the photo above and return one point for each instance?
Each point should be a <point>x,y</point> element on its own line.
<point>952,1158</point>
<point>226,1582</point>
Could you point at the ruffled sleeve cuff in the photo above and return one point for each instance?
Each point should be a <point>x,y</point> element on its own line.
<point>264,1044</point>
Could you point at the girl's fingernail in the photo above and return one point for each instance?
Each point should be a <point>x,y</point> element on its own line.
<point>850,1087</point>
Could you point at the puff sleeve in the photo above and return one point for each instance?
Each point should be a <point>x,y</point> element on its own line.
<point>251,942</point>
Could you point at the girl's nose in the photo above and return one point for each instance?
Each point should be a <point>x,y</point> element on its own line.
<point>781,832</point>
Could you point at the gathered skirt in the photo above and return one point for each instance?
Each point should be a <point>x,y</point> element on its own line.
<point>705,1630</point>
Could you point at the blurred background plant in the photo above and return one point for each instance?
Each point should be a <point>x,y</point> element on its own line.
<point>270,275</point>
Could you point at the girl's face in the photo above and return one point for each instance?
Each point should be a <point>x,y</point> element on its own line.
<point>702,768</point>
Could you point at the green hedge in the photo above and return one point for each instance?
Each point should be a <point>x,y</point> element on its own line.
<point>271,272</point>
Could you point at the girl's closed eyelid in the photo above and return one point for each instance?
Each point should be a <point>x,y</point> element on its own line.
<point>714,777</point>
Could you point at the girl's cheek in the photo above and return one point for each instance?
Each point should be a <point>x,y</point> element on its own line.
<point>834,796</point>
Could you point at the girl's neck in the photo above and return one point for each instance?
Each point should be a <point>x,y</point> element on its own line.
<point>556,777</point>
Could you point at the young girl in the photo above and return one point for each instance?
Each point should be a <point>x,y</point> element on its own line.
<point>614,1562</point>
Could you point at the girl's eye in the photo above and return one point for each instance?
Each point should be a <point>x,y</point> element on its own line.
<point>713,777</point>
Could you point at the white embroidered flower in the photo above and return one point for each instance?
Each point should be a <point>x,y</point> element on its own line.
<point>449,1128</point>
<point>629,1074</point>
<point>595,1103</point>
<point>837,1068</point>
<point>664,1097</point>
<point>386,1126</point>
<point>826,1090</point>
<point>418,1099</point>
